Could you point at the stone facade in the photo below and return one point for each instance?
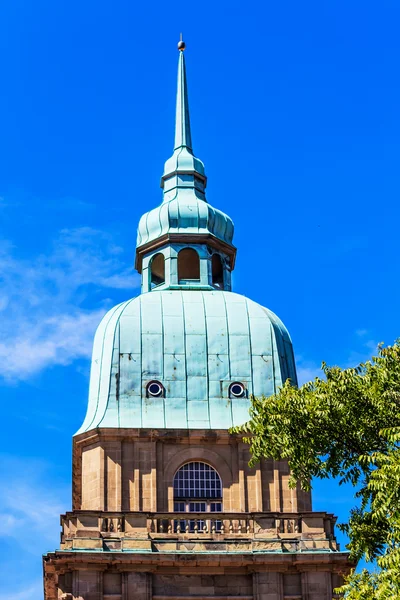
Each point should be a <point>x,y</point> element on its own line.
<point>121,541</point>
<point>172,371</point>
<point>133,470</point>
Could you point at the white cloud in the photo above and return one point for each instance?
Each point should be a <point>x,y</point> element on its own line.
<point>43,318</point>
<point>59,339</point>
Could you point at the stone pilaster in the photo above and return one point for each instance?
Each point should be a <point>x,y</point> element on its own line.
<point>316,585</point>
<point>137,586</point>
<point>267,586</point>
<point>242,464</point>
<point>87,585</point>
<point>93,477</point>
<point>113,476</point>
<point>276,489</point>
<point>128,470</point>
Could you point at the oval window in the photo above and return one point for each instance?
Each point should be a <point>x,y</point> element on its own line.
<point>155,388</point>
<point>237,389</point>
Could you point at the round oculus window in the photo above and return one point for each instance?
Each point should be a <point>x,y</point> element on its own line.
<point>155,388</point>
<point>237,389</point>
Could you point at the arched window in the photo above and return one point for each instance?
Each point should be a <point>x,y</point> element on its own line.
<point>157,270</point>
<point>197,488</point>
<point>217,271</point>
<point>188,265</point>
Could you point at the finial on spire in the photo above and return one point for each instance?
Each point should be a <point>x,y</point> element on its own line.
<point>181,44</point>
<point>183,137</point>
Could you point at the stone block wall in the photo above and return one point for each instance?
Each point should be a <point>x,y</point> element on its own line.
<point>85,584</point>
<point>292,585</point>
<point>92,469</point>
<point>128,470</point>
<point>176,586</point>
<point>269,585</point>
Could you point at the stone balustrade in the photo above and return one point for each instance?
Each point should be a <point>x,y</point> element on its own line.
<point>224,524</point>
<point>138,530</point>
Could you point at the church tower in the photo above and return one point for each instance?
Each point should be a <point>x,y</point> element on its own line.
<point>165,505</point>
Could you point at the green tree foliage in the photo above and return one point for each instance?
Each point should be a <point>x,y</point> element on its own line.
<point>347,426</point>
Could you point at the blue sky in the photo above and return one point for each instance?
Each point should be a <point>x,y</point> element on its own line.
<point>294,112</point>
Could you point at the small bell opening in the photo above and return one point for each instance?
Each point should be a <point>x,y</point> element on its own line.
<point>157,270</point>
<point>217,271</point>
<point>188,265</point>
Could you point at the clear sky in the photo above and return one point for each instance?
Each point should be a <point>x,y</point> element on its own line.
<point>295,113</point>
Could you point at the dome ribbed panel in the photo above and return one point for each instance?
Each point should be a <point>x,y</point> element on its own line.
<point>100,371</point>
<point>184,214</point>
<point>196,343</point>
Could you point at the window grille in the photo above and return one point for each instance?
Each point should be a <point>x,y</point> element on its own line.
<point>197,489</point>
<point>197,480</point>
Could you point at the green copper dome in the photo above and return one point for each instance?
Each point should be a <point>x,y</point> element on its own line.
<point>187,352</point>
<point>195,344</point>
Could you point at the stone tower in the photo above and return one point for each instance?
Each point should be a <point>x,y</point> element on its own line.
<point>165,506</point>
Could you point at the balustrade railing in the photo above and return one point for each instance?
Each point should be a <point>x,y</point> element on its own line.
<point>242,525</point>
<point>199,524</point>
<point>221,523</point>
<point>112,525</point>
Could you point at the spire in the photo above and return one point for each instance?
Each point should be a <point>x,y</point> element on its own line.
<point>183,171</point>
<point>184,217</point>
<point>182,124</point>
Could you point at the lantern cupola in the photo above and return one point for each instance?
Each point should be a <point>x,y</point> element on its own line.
<point>185,242</point>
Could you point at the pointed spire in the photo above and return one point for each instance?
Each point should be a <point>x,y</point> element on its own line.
<point>183,136</point>
<point>183,172</point>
